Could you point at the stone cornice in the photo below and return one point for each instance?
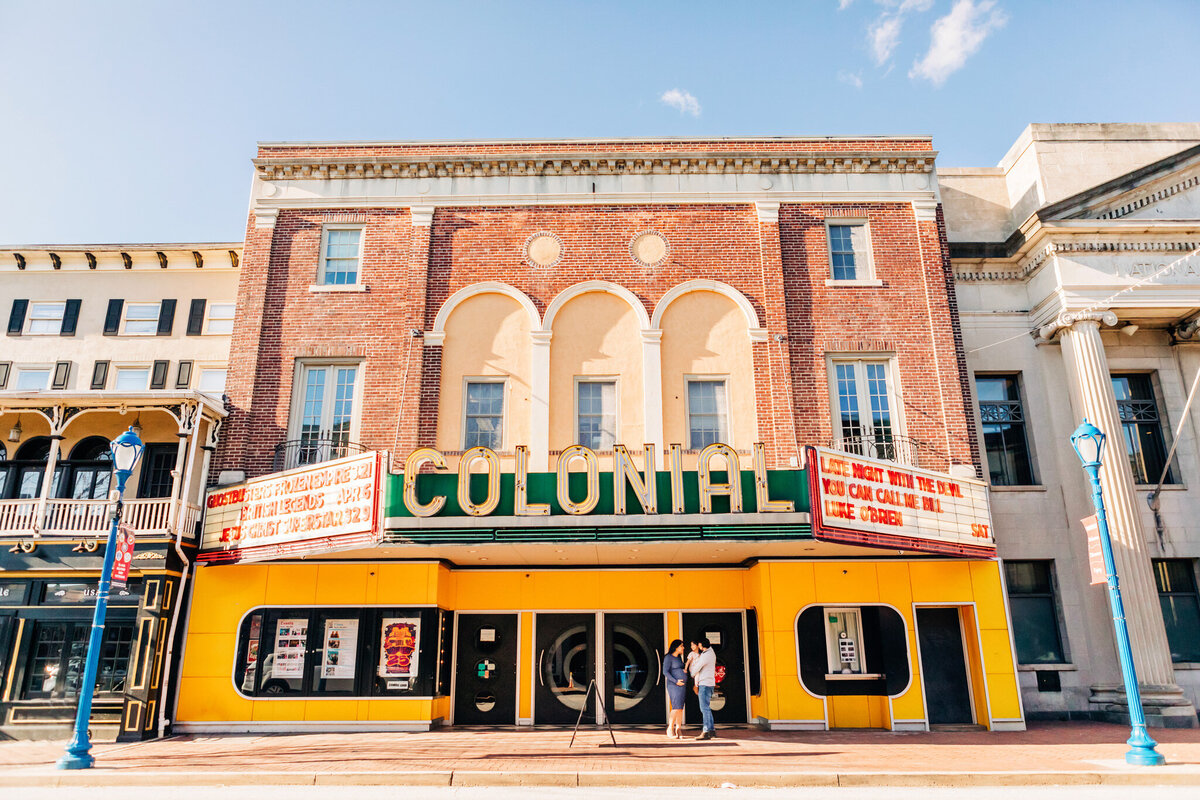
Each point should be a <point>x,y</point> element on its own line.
<point>591,163</point>
<point>1008,271</point>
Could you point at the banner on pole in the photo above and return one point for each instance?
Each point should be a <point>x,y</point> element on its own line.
<point>1095,550</point>
<point>123,557</point>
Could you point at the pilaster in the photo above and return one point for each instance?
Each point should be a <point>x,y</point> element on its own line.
<point>772,376</point>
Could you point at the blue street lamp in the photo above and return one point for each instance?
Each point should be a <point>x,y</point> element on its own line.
<point>126,450</point>
<point>1088,441</point>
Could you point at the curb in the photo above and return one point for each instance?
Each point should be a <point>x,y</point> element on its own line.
<point>111,777</point>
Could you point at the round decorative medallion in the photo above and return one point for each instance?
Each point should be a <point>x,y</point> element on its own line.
<point>543,249</point>
<point>649,248</point>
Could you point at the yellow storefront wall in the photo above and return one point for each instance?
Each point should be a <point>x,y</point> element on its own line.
<point>777,590</point>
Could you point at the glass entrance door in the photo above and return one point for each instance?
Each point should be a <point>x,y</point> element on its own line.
<point>565,660</point>
<point>633,680</point>
<point>724,631</point>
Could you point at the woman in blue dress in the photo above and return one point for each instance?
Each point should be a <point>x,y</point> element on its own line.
<point>675,676</point>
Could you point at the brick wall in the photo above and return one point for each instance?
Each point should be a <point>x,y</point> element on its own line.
<point>781,268</point>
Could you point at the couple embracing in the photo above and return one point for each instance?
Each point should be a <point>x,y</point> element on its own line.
<point>701,664</point>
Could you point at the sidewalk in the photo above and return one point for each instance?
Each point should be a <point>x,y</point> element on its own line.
<point>1046,754</point>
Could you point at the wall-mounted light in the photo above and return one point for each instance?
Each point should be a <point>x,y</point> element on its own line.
<point>1129,329</point>
<point>136,427</point>
<point>14,433</point>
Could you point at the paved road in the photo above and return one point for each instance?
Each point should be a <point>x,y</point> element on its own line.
<point>550,793</point>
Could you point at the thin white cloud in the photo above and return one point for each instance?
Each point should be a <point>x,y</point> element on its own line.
<point>883,35</point>
<point>956,37</point>
<point>681,100</point>
<point>844,4</point>
<point>852,78</point>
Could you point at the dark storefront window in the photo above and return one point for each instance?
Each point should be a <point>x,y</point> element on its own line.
<point>871,659</point>
<point>1034,612</point>
<point>1176,579</point>
<point>1141,425</point>
<point>56,659</point>
<point>1002,417</point>
<point>317,652</point>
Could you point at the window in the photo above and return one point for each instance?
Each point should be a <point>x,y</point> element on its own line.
<point>865,425</point>
<point>483,425</point>
<point>843,641</point>
<point>56,659</point>
<point>158,461</point>
<point>1003,420</point>
<point>220,318</point>
<point>132,379</point>
<point>46,318</point>
<point>90,468</point>
<point>141,319</point>
<point>32,379</point>
<point>326,415</point>
<point>307,652</point>
<point>707,413</point>
<point>849,253</point>
<point>1034,612</point>
<point>212,381</point>
<point>596,413</point>
<point>1142,427</point>
<point>340,259</point>
<point>1176,579</point>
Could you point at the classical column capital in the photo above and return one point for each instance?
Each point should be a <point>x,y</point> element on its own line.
<point>1069,319</point>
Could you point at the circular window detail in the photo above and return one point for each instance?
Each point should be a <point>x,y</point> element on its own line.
<point>543,249</point>
<point>485,701</point>
<point>485,669</point>
<point>718,700</point>
<point>649,248</point>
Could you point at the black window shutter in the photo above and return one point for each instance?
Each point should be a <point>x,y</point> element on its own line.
<point>100,375</point>
<point>166,317</point>
<point>183,378</point>
<point>70,317</point>
<point>158,377</point>
<point>112,320</point>
<point>5,368</point>
<point>62,373</point>
<point>16,320</point>
<point>196,318</point>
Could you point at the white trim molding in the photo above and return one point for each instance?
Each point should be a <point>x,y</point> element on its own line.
<point>756,331</point>
<point>587,287</point>
<point>438,334</point>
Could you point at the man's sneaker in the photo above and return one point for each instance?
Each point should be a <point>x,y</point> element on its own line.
<point>706,736</point>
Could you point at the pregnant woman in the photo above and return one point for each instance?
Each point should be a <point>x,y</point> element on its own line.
<point>676,678</point>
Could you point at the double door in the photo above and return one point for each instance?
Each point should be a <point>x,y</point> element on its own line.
<point>621,652</point>
<point>724,631</point>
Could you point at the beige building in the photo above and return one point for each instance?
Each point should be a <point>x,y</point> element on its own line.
<point>101,338</point>
<point>1079,291</point>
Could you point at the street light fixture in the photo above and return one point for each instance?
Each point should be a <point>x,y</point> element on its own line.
<point>1088,441</point>
<point>126,450</point>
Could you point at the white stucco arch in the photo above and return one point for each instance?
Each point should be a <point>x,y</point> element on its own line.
<point>438,334</point>
<point>757,332</point>
<point>607,287</point>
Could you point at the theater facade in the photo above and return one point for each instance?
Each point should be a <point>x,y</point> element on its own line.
<point>505,418</point>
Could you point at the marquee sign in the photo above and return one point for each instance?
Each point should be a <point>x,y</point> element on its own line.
<point>867,501</point>
<point>328,506</point>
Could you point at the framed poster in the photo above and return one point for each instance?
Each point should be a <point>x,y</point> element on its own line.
<point>291,643</point>
<point>399,645</point>
<point>339,649</point>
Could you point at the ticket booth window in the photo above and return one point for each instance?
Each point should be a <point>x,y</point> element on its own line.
<point>843,641</point>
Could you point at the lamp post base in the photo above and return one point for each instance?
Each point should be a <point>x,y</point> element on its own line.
<point>82,760</point>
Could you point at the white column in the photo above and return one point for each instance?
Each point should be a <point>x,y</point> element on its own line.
<point>56,438</point>
<point>652,404</point>
<point>1092,397</point>
<point>539,427</point>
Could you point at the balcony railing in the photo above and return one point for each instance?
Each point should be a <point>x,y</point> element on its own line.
<point>302,452</point>
<point>900,449</point>
<point>90,517</point>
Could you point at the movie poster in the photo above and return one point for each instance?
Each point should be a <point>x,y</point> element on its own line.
<point>291,643</point>
<point>340,649</point>
<point>400,638</point>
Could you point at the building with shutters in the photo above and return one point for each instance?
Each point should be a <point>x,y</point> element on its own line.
<point>505,418</point>
<point>101,338</point>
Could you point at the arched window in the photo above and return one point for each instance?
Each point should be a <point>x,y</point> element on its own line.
<point>27,468</point>
<point>89,469</point>
<point>36,449</point>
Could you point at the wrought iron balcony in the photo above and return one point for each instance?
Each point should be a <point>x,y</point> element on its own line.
<point>900,449</point>
<point>302,452</point>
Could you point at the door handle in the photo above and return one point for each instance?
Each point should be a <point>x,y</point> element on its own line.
<point>541,681</point>
<point>659,662</point>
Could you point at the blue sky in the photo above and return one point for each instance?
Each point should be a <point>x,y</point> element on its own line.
<point>125,122</point>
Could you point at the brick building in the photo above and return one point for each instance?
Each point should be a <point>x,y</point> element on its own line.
<point>507,417</point>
